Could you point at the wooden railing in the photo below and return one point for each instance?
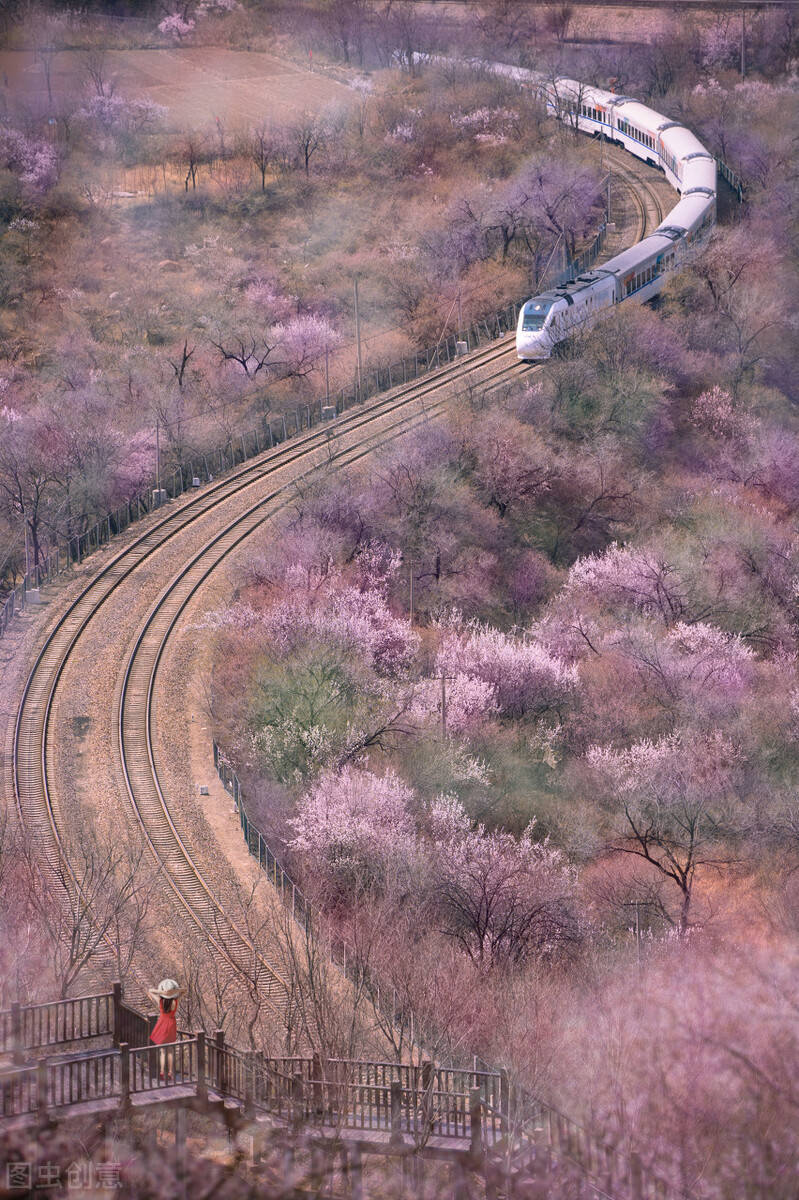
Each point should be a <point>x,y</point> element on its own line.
<point>173,1064</point>
<point>35,1026</point>
<point>471,1107</point>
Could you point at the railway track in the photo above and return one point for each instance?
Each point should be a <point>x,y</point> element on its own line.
<point>259,490</point>
<point>34,768</point>
<point>648,204</point>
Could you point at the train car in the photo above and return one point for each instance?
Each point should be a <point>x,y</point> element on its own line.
<point>547,319</point>
<point>639,272</point>
<point>684,160</point>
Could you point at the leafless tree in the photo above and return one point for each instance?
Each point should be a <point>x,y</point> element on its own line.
<point>92,902</point>
<point>94,61</point>
<point>309,133</point>
<point>346,22</point>
<point>262,147</point>
<point>252,351</point>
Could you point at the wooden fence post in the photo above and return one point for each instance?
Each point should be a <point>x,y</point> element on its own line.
<point>396,1113</point>
<point>17,1048</point>
<point>202,1080</point>
<point>124,1075</point>
<point>475,1121</point>
<point>116,1002</point>
<point>297,1112</point>
<point>355,1172</point>
<point>180,1139</point>
<point>504,1101</point>
<point>41,1088</point>
<point>316,1077</point>
<point>220,1081</point>
<point>636,1177</point>
<point>249,1071</point>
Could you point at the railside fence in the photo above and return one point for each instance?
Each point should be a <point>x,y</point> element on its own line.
<point>534,1123</point>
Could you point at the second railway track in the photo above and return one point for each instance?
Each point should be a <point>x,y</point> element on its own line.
<point>34,766</point>
<point>232,508</point>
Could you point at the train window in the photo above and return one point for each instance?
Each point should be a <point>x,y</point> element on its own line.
<point>535,314</point>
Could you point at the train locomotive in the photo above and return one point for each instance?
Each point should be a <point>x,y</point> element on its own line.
<point>638,273</point>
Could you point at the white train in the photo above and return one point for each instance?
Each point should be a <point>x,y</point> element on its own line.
<point>639,272</point>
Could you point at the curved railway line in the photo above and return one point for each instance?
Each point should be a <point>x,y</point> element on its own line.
<point>223,515</point>
<point>34,768</point>
<point>648,205</point>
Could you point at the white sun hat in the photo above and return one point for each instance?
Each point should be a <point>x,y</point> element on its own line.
<point>167,989</point>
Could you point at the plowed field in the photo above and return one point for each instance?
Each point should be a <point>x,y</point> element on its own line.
<point>197,84</point>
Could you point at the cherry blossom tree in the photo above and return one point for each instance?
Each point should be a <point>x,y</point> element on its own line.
<point>176,26</point>
<point>302,341</point>
<point>526,679</point>
<point>357,827</point>
<point>33,161</point>
<point>676,802</point>
<point>641,579</point>
<point>513,466</point>
<point>503,899</point>
<point>320,605</point>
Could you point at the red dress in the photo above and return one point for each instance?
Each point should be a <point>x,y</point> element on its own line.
<point>166,1027</point>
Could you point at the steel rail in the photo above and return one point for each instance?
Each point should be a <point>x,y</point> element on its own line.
<point>30,767</point>
<point>136,702</point>
<point>637,184</point>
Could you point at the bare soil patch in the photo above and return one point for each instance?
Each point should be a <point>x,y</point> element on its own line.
<point>196,84</point>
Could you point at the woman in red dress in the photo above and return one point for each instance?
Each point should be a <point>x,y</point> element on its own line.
<point>166,1027</point>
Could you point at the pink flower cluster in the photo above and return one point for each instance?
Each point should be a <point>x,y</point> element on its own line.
<point>523,677</point>
<point>326,608</point>
<point>33,160</point>
<point>353,820</point>
<point>469,700</point>
<point>715,412</point>
<point>118,114</point>
<point>682,767</point>
<point>640,579</point>
<point>175,26</point>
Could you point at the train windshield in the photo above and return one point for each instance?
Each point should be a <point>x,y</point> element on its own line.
<point>535,314</point>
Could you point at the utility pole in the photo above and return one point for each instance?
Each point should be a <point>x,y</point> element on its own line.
<point>327,374</point>
<point>358,338</point>
<point>443,707</point>
<point>410,581</point>
<point>158,458</point>
<point>460,314</point>
<point>743,43</point>
<point>27,553</point>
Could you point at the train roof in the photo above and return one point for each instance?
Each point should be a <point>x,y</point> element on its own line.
<point>631,259</point>
<point>688,213</point>
<point>641,116</point>
<point>680,142</point>
<point>565,291</point>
